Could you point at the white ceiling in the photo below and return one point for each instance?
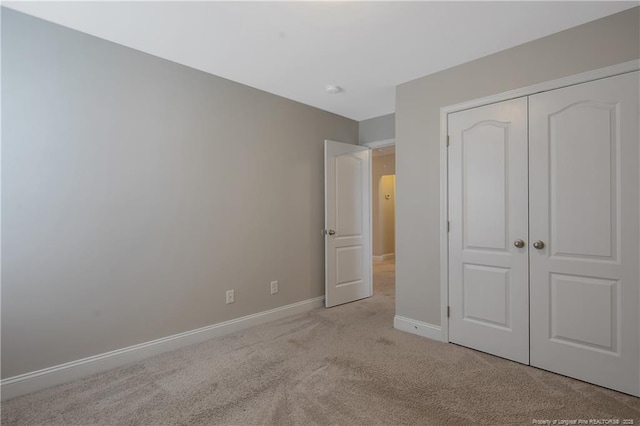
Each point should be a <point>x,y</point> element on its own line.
<point>294,49</point>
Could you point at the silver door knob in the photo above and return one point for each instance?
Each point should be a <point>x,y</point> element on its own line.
<point>332,232</point>
<point>518,243</point>
<point>538,244</point>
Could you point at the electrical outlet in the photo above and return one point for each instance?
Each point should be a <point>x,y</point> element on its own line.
<point>230,296</point>
<point>274,287</point>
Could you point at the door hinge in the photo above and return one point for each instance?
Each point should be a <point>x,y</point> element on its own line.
<point>447,140</point>
<point>448,226</point>
<point>448,311</point>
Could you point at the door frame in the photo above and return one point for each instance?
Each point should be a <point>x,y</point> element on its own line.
<point>584,77</point>
<point>380,144</point>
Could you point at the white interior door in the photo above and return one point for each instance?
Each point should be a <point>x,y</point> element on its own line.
<point>584,185</point>
<point>488,213</point>
<point>348,254</point>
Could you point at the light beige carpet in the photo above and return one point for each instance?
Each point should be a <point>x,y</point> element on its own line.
<point>345,365</point>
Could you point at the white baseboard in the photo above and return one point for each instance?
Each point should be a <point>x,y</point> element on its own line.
<point>418,327</point>
<point>386,256</point>
<point>36,380</point>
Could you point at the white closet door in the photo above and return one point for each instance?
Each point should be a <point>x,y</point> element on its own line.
<point>488,275</point>
<point>584,183</point>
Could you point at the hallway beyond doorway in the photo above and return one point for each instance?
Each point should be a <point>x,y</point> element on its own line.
<point>384,278</point>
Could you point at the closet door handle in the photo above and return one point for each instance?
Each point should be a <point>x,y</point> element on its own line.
<point>538,245</point>
<point>518,243</point>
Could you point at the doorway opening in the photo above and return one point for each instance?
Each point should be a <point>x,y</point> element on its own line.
<point>383,199</point>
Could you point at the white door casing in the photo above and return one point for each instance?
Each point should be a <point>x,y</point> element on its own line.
<point>488,212</point>
<point>584,195</point>
<point>348,251</point>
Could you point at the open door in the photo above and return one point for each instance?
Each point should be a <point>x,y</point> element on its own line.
<point>347,223</point>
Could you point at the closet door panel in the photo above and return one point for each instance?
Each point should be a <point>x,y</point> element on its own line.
<point>584,208</point>
<point>488,275</point>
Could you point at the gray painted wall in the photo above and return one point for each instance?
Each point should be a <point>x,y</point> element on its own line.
<point>378,128</point>
<point>608,41</point>
<point>136,191</point>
